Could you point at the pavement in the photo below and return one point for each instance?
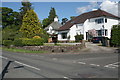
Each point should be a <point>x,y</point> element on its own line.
<point>92,62</point>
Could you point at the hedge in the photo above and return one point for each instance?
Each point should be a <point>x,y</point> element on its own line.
<point>78,38</point>
<point>115,35</point>
<point>28,42</point>
<point>7,43</point>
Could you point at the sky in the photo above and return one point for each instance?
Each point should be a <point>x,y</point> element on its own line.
<point>65,9</point>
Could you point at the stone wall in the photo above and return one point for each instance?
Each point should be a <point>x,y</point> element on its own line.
<point>54,48</point>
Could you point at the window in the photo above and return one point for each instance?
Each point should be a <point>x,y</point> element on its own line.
<point>106,32</point>
<point>64,35</point>
<point>105,20</point>
<point>101,20</point>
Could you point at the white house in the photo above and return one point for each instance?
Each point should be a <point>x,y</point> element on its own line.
<point>53,27</point>
<point>97,23</point>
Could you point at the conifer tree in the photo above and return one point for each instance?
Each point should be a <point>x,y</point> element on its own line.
<point>31,25</point>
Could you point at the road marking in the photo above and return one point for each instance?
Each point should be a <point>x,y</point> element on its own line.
<point>67,78</point>
<point>81,63</point>
<point>113,65</point>
<point>27,65</point>
<point>3,57</point>
<point>107,66</point>
<point>94,65</point>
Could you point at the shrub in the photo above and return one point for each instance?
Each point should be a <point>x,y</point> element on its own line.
<point>78,37</point>
<point>18,42</point>
<point>36,37</point>
<point>7,43</point>
<point>115,35</point>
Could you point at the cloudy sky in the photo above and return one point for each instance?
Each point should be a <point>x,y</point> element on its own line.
<point>66,9</point>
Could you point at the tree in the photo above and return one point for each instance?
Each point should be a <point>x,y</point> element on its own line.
<point>52,15</point>
<point>72,17</point>
<point>64,20</point>
<point>31,25</point>
<point>9,17</point>
<point>26,6</point>
<point>45,22</point>
<point>115,35</point>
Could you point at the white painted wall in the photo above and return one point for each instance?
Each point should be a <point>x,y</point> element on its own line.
<point>88,25</point>
<point>109,24</point>
<point>51,30</point>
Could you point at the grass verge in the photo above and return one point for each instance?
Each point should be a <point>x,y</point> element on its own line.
<point>21,50</point>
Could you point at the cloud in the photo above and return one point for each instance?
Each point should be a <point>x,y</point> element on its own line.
<point>84,9</point>
<point>109,6</point>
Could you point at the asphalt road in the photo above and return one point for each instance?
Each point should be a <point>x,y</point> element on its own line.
<point>92,62</point>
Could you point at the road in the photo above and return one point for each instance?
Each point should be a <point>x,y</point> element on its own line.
<point>92,62</point>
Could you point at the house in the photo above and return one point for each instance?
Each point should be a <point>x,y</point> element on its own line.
<point>53,27</point>
<point>94,23</point>
<point>52,30</point>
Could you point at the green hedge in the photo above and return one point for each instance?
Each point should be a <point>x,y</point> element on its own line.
<point>78,38</point>
<point>7,43</point>
<point>115,35</point>
<point>28,42</point>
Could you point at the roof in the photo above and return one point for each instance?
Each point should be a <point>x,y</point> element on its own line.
<point>55,25</point>
<point>83,17</point>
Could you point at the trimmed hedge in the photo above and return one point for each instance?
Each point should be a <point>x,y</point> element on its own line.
<point>7,43</point>
<point>78,38</point>
<point>28,42</point>
<point>115,35</point>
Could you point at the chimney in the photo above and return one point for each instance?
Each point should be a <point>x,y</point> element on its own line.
<point>56,19</point>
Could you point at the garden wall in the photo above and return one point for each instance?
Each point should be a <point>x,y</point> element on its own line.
<point>54,48</point>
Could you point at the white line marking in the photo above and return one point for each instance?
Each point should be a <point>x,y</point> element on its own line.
<point>3,57</point>
<point>109,66</point>
<point>81,63</point>
<point>114,65</point>
<point>67,78</point>
<point>94,65</point>
<point>27,65</point>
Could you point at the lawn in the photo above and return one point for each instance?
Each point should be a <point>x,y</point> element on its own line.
<point>21,50</point>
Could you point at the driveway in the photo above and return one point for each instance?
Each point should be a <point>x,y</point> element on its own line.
<point>96,48</point>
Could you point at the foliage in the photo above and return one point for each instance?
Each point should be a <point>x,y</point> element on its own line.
<point>78,37</point>
<point>52,15</point>
<point>10,32</point>
<point>26,5</point>
<point>7,43</point>
<point>64,20</point>
<point>28,42</point>
<point>45,22</point>
<point>50,19</point>
<point>9,17</point>
<point>31,25</point>
<point>32,42</point>
<point>36,37</point>
<point>72,17</point>
<point>18,42</point>
<point>115,35</point>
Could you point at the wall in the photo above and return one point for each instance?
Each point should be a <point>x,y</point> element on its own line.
<point>54,48</point>
<point>90,24</point>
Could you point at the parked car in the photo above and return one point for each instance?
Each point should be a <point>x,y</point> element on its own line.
<point>98,39</point>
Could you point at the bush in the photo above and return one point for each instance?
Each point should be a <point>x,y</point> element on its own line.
<point>18,42</point>
<point>115,35</point>
<point>28,42</point>
<point>7,43</point>
<point>78,38</point>
<point>33,42</point>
